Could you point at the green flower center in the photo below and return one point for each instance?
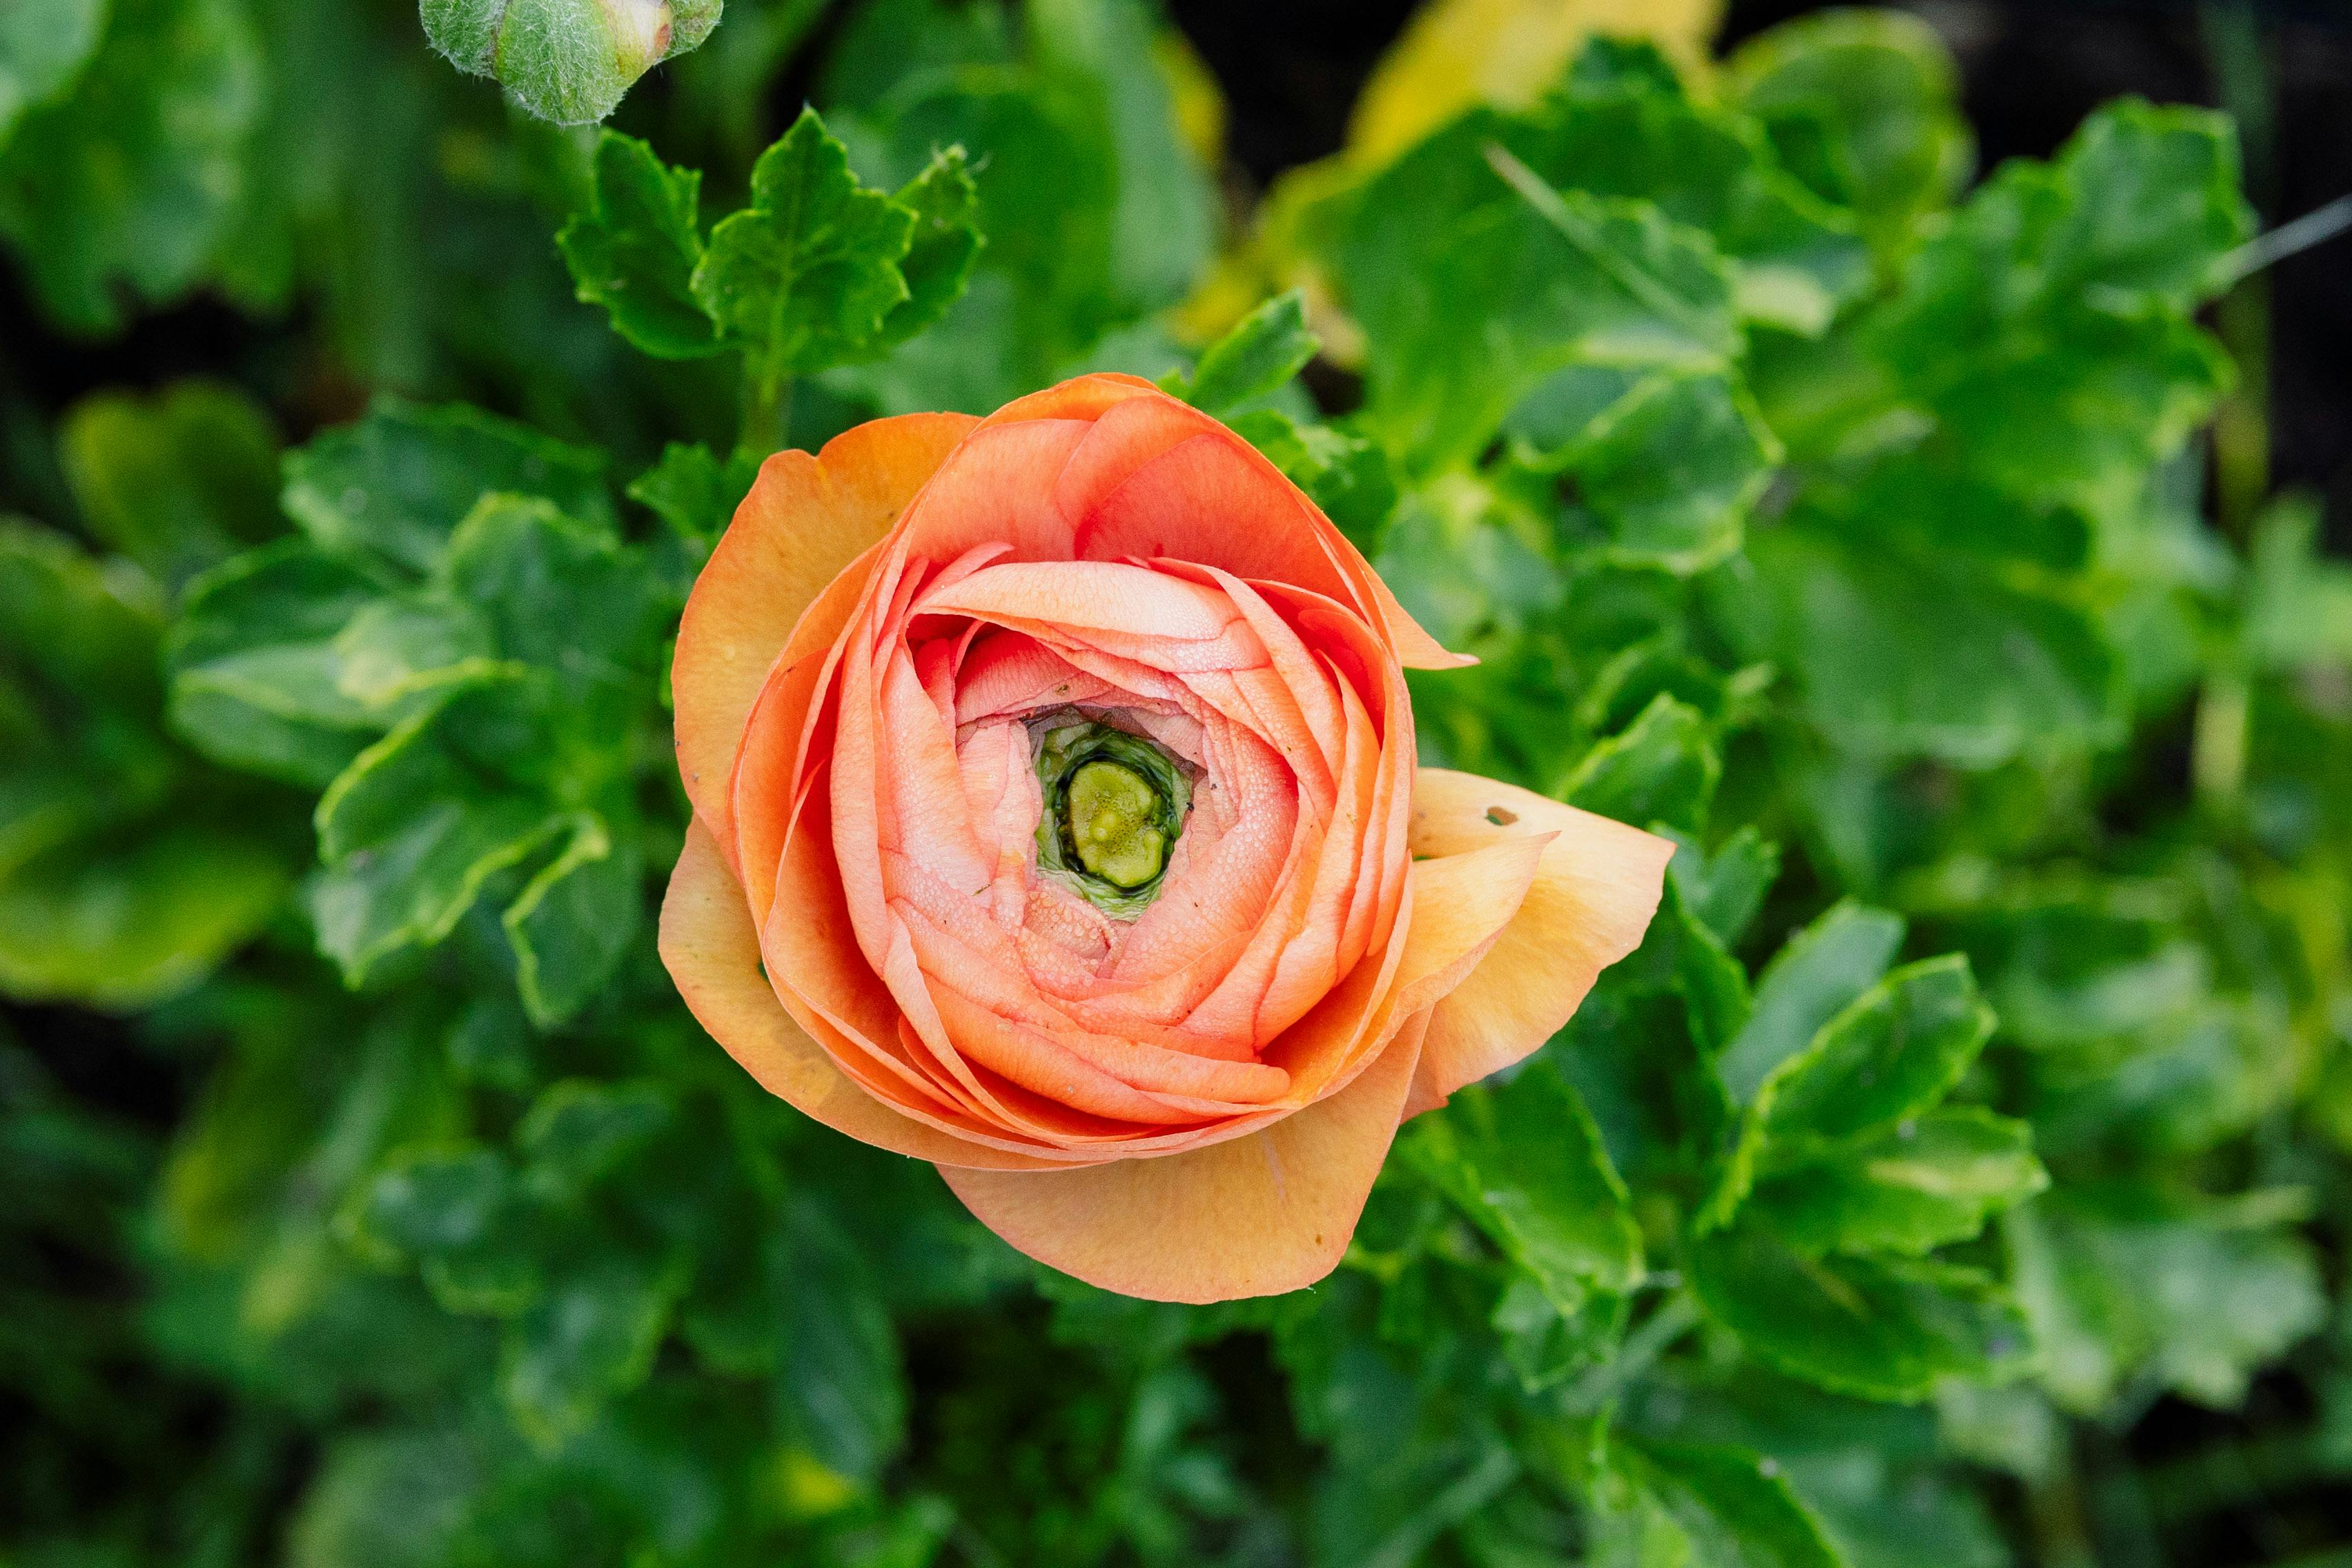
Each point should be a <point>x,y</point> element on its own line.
<point>1114,821</point>
<point>1115,805</point>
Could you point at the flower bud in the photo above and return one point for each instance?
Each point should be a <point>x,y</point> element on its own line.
<point>566,60</point>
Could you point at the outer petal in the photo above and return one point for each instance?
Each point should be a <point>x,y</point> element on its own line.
<point>1252,1217</point>
<point>805,519</point>
<point>1596,885</point>
<point>712,952</point>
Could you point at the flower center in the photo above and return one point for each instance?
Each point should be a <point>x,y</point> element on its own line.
<point>1115,805</point>
<point>1114,821</point>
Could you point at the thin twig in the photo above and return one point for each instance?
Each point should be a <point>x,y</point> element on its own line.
<point>2315,227</point>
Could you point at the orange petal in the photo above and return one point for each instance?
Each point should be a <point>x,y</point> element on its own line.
<point>713,953</point>
<point>1462,903</point>
<point>1251,1217</point>
<point>1597,883</point>
<point>805,519</point>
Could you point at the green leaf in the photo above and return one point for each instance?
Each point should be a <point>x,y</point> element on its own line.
<point>580,1131</point>
<point>1666,474</point>
<point>1821,969</point>
<point>805,276</point>
<point>458,1213</point>
<point>41,52</point>
<point>1864,106</point>
<point>1879,1328</point>
<point>1659,1503</point>
<point>176,481</point>
<point>395,485</point>
<point>566,60</point>
<point>591,1336</point>
<point>841,1387</point>
<point>1524,1163</point>
<point>946,243</point>
<point>1909,1188</point>
<point>2126,1284</point>
<point>257,664</point>
<point>1259,355</point>
<point>128,183</point>
<point>1572,278</point>
<point>132,915</point>
<point>1902,653</point>
<point>634,249</point>
<point>1893,1053</point>
<point>409,834</point>
<point>1343,471</point>
<point>1725,890</point>
<point>695,493</point>
<point>556,592</point>
<point>1663,767</point>
<point>574,921</point>
<point>2298,604</point>
<point>384,1499</point>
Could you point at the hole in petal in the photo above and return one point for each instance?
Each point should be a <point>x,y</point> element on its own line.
<point>1501,816</point>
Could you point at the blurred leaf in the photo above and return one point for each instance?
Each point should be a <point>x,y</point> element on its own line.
<point>176,481</point>
<point>1862,105</point>
<point>394,486</point>
<point>2121,1285</point>
<point>841,1387</point>
<point>591,1336</point>
<point>128,182</point>
<point>41,52</point>
<point>694,492</point>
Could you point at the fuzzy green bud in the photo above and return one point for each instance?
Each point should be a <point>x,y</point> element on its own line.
<point>566,60</point>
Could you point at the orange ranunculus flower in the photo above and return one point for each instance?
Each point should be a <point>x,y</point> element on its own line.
<point>1057,821</point>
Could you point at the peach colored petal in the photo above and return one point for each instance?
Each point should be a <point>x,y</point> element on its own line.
<point>1252,1215</point>
<point>712,952</point>
<point>1596,885</point>
<point>805,519</point>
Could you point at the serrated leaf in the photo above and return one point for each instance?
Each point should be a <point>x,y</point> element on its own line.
<point>459,1213</point>
<point>1909,1188</point>
<point>1663,767</point>
<point>1343,471</point>
<point>555,592</point>
<point>1574,278</point>
<point>1261,353</point>
<point>804,276</point>
<point>412,831</point>
<point>1658,1503</point>
<point>695,493</point>
<point>1876,1327</point>
<point>1726,889</point>
<point>1666,473</point>
<point>1809,982</point>
<point>1524,1163</point>
<point>944,245</point>
<point>634,249</point>
<point>1893,1054</point>
<point>575,920</point>
<point>394,486</point>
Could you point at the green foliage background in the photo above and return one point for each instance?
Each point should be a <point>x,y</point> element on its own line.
<point>1984,1084</point>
